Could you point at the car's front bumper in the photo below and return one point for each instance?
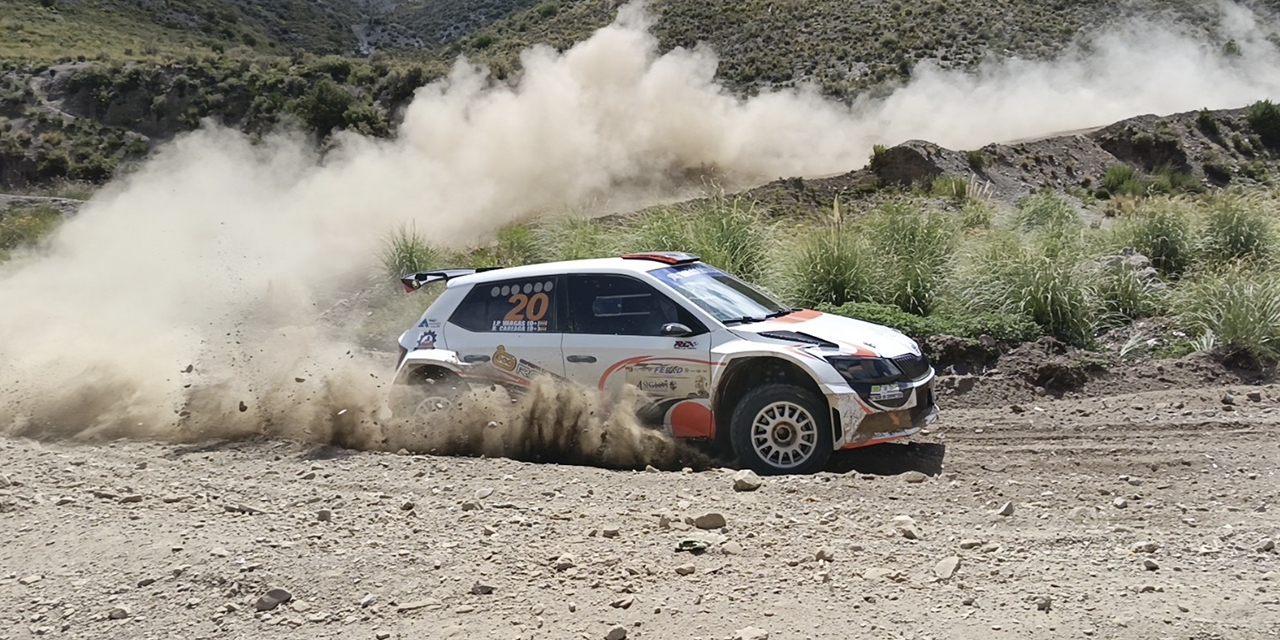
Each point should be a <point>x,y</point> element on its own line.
<point>863,418</point>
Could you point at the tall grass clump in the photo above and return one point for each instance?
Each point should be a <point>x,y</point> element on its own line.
<point>912,247</point>
<point>1125,294</point>
<point>829,263</point>
<point>1236,306</point>
<point>25,227</point>
<point>1162,231</point>
<point>574,237</point>
<point>405,251</point>
<point>1122,180</point>
<point>516,244</point>
<point>1033,275</point>
<point>725,232</point>
<point>1047,211</point>
<point>1236,227</point>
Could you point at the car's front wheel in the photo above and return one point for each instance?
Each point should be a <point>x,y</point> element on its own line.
<point>427,394</point>
<point>781,428</point>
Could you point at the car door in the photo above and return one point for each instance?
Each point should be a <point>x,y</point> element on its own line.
<point>614,337</point>
<point>509,331</point>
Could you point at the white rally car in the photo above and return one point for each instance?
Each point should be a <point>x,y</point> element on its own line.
<point>715,358</point>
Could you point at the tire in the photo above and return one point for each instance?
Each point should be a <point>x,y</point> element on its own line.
<point>429,394</point>
<point>781,429</point>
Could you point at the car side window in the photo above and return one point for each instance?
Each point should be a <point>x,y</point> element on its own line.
<point>527,305</point>
<point>620,305</point>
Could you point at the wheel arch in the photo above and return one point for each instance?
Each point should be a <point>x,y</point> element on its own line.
<point>745,373</point>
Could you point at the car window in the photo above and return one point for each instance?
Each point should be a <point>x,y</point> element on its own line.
<point>526,305</point>
<point>720,294</point>
<point>619,305</point>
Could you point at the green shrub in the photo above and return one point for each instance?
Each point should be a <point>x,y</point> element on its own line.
<point>953,187</point>
<point>912,248</point>
<point>1003,327</point>
<point>1160,230</point>
<point>1236,226</point>
<point>725,232</point>
<point>1125,295</point>
<point>1047,211</point>
<point>1264,119</point>
<point>24,227</point>
<point>975,214</point>
<point>1236,306</point>
<point>876,162</point>
<point>574,237</point>
<point>325,107</point>
<point>1035,276</point>
<point>406,251</point>
<point>829,264</point>
<point>1123,180</point>
<point>1207,123</point>
<point>977,159</point>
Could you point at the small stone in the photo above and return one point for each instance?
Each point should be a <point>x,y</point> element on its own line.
<point>947,567</point>
<point>1184,608</point>
<point>119,612</point>
<point>564,562</point>
<point>471,505</point>
<point>878,573</point>
<point>746,480</point>
<point>684,569</point>
<point>751,633</point>
<point>1228,399</point>
<point>483,493</point>
<point>731,548</point>
<point>970,543</point>
<point>709,520</point>
<point>914,477</point>
<point>1120,503</point>
<point>1150,565</point>
<point>905,526</point>
<point>243,407</point>
<point>324,515</point>
<point>648,468</point>
<point>623,603</point>
<point>130,499</point>
<point>219,552</point>
<point>1146,547</point>
<point>30,580</point>
<point>367,600</point>
<point>1266,544</point>
<point>1255,396</point>
<point>272,599</point>
<point>481,589</point>
<point>1005,510</point>
<point>1044,603</point>
<point>65,500</point>
<point>146,582</point>
<point>616,633</point>
<point>418,604</point>
<point>610,531</point>
<point>825,554</point>
<point>381,635</point>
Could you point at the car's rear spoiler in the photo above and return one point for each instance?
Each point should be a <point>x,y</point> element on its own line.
<point>415,281</point>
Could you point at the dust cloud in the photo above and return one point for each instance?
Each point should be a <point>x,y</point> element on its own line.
<point>183,301</point>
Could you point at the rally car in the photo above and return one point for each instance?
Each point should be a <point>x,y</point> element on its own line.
<point>714,357</point>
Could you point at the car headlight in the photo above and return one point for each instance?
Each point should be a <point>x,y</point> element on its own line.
<point>858,370</point>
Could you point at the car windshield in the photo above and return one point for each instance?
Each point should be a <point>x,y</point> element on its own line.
<point>725,297</point>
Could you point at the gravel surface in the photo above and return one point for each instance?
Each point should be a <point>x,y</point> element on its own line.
<point>1137,515</point>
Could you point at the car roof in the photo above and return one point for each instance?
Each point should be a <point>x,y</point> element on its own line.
<point>598,265</point>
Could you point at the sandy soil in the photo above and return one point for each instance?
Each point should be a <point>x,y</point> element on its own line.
<point>1142,514</point>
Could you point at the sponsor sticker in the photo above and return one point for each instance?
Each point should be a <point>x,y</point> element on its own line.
<point>886,392</point>
<point>686,344</point>
<point>427,340</point>
<point>504,360</point>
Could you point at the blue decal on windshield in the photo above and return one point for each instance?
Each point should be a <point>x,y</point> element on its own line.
<point>675,275</point>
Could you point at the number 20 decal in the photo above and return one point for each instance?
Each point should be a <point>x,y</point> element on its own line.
<point>528,307</point>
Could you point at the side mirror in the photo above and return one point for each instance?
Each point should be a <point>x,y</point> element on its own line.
<point>676,330</point>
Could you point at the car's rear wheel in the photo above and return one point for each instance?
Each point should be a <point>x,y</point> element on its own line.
<point>781,428</point>
<point>428,394</point>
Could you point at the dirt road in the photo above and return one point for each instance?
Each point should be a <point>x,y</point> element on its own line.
<point>1138,515</point>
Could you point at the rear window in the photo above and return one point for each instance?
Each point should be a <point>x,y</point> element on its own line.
<point>521,306</point>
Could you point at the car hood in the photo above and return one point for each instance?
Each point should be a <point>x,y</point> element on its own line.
<point>857,336</point>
